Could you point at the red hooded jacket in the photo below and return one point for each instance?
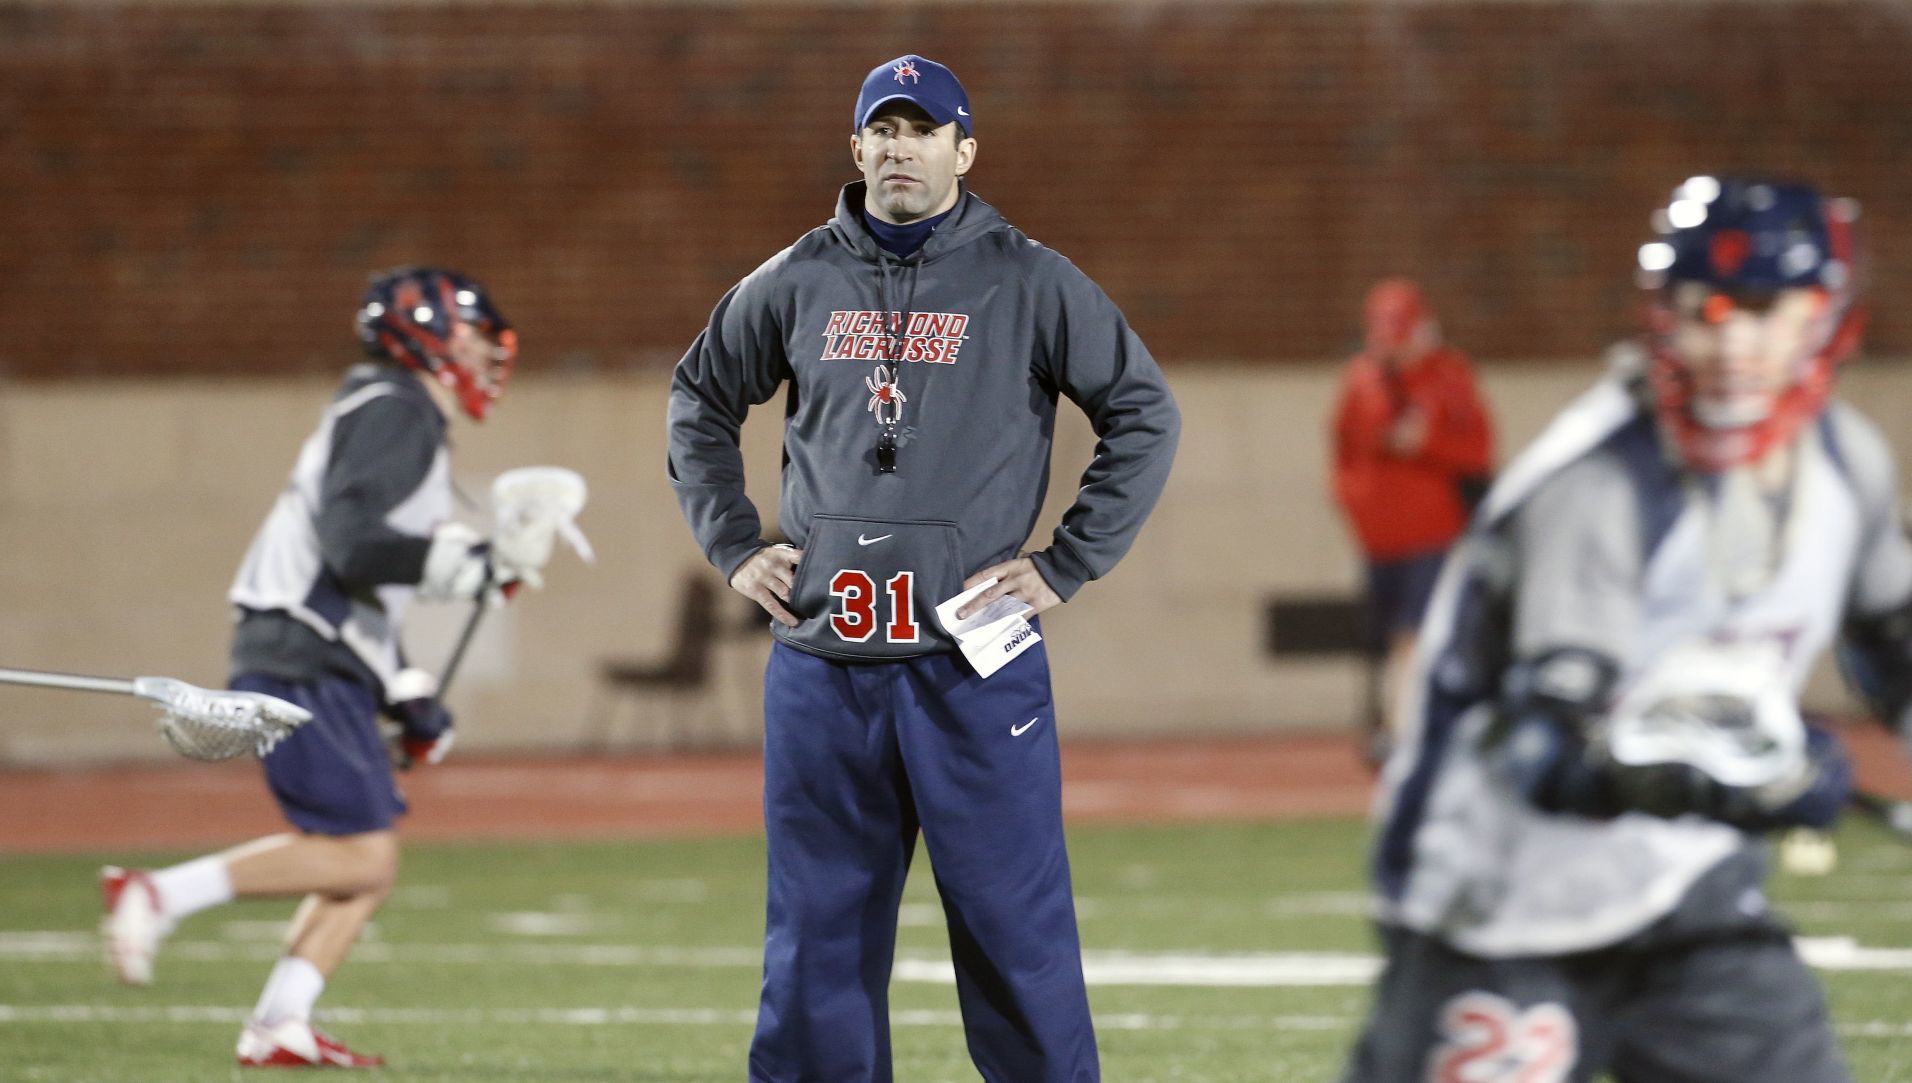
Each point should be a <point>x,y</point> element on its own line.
<point>1403,505</point>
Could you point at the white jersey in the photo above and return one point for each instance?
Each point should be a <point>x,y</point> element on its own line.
<point>343,546</point>
<point>1593,539</point>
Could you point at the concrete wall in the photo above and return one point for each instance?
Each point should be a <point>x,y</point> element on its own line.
<point>125,506</point>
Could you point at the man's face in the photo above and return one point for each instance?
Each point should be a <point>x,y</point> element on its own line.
<point>909,163</point>
<point>1743,352</point>
<point>477,353</point>
<point>481,358</point>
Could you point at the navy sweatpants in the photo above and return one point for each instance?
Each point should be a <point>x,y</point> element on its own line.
<point>857,759</point>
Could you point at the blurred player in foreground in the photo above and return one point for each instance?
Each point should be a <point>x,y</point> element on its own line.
<point>1604,721</point>
<point>361,528</point>
<point>1412,449</point>
<point>925,343</point>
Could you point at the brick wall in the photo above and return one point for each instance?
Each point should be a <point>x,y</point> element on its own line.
<point>201,188</point>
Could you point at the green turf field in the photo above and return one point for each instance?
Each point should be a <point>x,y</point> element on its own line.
<point>638,961</point>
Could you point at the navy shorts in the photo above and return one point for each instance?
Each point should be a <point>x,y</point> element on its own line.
<point>333,776</point>
<point>1398,593</point>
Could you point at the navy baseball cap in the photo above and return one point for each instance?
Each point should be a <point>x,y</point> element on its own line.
<point>915,79</point>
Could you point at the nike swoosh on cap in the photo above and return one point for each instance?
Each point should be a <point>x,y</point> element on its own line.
<point>961,112</point>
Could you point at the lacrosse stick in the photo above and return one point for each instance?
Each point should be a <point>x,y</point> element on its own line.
<point>530,500</point>
<point>199,723</point>
<point>458,650</point>
<point>1724,709</point>
<point>531,504</point>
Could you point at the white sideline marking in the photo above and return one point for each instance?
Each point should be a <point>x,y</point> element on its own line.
<point>618,1016</point>
<point>1284,969</point>
<point>915,915</point>
<point>1257,970</point>
<point>538,923</point>
<point>1830,910</point>
<point>73,947</point>
<point>1844,953</point>
<point>631,1016</point>
<point>1356,904</point>
<point>419,897</point>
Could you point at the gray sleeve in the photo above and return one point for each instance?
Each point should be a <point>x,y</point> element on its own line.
<point>1102,366</point>
<point>1577,547</point>
<point>1882,574</point>
<point>381,452</point>
<point>736,363</point>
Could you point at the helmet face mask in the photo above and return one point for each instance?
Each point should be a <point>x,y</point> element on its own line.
<point>1751,307</point>
<point>444,325</point>
<point>1742,352</point>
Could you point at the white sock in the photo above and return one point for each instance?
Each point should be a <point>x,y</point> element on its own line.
<point>189,888</point>
<point>292,988</point>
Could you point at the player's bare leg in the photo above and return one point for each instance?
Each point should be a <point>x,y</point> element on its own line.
<point>286,865</point>
<point>326,927</point>
<point>344,878</point>
<point>360,869</point>
<point>1397,670</point>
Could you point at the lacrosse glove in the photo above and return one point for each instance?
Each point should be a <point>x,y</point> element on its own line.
<point>1811,798</point>
<point>1538,742</point>
<point>461,567</point>
<point>425,732</point>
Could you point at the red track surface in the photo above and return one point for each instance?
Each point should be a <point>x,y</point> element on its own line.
<point>182,806</point>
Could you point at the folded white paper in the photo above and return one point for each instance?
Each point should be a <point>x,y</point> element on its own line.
<point>992,636</point>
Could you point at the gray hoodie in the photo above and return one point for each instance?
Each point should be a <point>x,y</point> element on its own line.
<point>996,327</point>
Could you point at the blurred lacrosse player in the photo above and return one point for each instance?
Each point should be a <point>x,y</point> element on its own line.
<point>1604,719</point>
<point>361,528</point>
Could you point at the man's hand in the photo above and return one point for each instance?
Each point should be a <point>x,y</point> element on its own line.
<point>425,751</point>
<point>425,727</point>
<point>766,579</point>
<point>1017,578</point>
<point>1408,435</point>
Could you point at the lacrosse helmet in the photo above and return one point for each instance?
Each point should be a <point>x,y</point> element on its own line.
<point>1728,245</point>
<point>409,315</point>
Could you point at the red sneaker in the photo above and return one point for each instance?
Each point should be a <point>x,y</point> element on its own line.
<point>294,1044</point>
<point>134,923</point>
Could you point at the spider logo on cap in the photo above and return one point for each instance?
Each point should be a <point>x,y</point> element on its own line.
<point>906,67</point>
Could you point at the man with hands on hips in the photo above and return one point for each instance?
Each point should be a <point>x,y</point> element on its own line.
<point>922,344</point>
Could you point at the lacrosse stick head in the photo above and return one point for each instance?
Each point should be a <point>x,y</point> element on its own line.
<point>203,724</point>
<point>532,506</point>
<point>1726,709</point>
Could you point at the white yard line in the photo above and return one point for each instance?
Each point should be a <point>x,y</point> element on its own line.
<point>616,1016</point>
<point>198,1014</point>
<point>1102,968</point>
<point>1281,970</point>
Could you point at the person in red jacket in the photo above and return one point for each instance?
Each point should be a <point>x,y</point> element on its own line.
<point>1413,448</point>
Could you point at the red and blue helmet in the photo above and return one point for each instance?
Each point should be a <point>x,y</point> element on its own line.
<point>1745,240</point>
<point>408,315</point>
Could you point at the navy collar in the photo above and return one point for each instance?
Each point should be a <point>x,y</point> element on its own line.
<point>902,240</point>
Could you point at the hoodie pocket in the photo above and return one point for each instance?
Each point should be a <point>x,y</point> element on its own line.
<point>868,588</point>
